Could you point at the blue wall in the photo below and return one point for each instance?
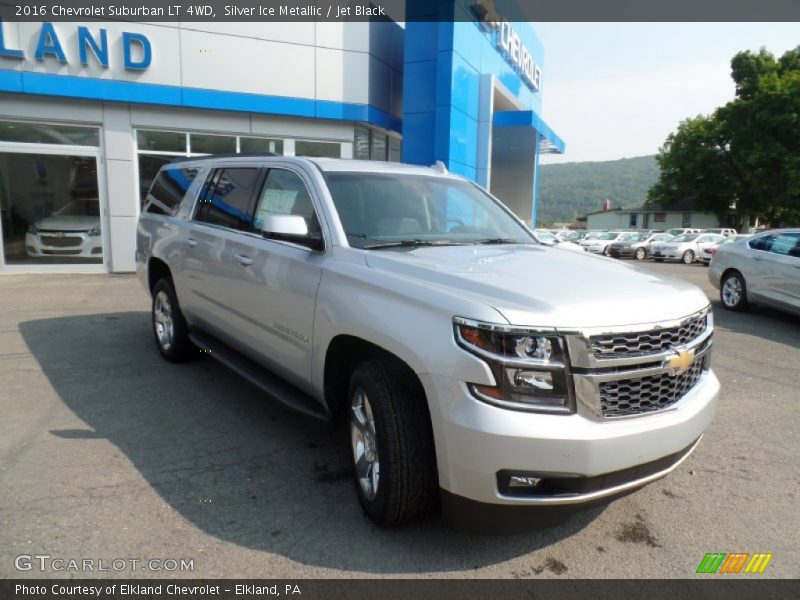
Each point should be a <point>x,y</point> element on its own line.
<point>444,62</point>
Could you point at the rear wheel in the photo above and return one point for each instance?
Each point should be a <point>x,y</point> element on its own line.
<point>733,291</point>
<point>394,463</point>
<point>688,257</point>
<point>169,326</point>
<point>640,254</point>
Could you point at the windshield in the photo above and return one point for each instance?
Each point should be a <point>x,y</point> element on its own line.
<point>687,237</point>
<point>390,207</point>
<point>80,208</point>
<point>593,235</point>
<point>609,235</point>
<point>631,237</point>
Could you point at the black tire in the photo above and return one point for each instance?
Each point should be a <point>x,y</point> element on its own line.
<point>640,254</point>
<point>688,257</point>
<point>175,345</point>
<point>407,486</point>
<point>731,282</point>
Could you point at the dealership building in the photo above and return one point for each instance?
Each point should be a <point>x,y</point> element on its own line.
<point>90,111</point>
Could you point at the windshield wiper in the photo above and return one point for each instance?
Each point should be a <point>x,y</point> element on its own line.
<point>409,244</point>
<point>496,241</point>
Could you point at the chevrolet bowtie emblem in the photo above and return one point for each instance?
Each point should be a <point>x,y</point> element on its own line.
<point>680,362</point>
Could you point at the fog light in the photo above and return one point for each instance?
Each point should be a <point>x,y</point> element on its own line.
<point>533,380</point>
<point>523,481</point>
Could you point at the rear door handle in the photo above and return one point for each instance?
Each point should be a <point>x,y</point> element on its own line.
<point>192,242</point>
<point>245,261</point>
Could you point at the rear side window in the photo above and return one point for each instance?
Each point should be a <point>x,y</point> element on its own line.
<point>168,190</point>
<point>227,198</point>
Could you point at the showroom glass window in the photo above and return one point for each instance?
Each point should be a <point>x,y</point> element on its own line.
<point>158,148</point>
<point>372,144</point>
<point>49,194</point>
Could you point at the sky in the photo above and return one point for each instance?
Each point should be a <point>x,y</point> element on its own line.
<point>615,90</point>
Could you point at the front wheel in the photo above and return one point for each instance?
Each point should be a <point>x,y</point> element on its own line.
<point>688,257</point>
<point>394,463</point>
<point>640,254</point>
<point>733,291</point>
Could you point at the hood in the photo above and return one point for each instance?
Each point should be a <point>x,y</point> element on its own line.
<point>546,287</point>
<point>68,223</point>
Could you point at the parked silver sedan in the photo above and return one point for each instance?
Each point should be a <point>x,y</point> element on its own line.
<point>763,270</point>
<point>685,248</point>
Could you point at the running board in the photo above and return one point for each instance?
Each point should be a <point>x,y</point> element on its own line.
<point>275,387</point>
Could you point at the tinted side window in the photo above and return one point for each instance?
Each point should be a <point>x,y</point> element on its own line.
<point>787,244</point>
<point>762,243</point>
<point>285,193</point>
<point>168,190</point>
<point>226,200</point>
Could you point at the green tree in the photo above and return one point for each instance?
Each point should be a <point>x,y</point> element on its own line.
<point>747,151</point>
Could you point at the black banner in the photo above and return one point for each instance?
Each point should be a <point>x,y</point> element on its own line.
<point>712,588</point>
<point>400,10</point>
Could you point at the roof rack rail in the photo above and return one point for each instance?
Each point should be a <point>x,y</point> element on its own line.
<point>181,159</point>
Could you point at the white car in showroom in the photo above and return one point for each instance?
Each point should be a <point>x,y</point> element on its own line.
<point>73,230</point>
<point>686,248</point>
<point>600,244</point>
<point>764,269</point>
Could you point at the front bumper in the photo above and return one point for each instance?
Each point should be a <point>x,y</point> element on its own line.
<point>78,244</point>
<point>668,254</point>
<point>620,252</point>
<point>475,441</point>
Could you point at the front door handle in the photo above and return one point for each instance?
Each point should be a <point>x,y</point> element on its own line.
<point>192,242</point>
<point>245,261</point>
<point>757,258</point>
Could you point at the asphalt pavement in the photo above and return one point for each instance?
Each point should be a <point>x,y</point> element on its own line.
<point>108,453</point>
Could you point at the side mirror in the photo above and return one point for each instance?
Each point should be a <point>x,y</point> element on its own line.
<point>291,228</point>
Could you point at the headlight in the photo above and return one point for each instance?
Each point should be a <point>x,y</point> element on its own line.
<point>94,231</point>
<point>530,367</point>
<point>33,229</point>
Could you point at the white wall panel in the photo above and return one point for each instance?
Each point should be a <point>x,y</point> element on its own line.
<point>122,188</point>
<point>342,76</point>
<point>123,244</point>
<point>117,135</point>
<point>220,62</point>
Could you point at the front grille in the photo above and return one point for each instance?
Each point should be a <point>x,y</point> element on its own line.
<point>626,397</point>
<point>620,345</point>
<point>61,242</point>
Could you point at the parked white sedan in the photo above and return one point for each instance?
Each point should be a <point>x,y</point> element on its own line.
<point>600,244</point>
<point>686,248</point>
<point>763,270</point>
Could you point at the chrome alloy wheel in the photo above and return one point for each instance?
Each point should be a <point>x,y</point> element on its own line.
<point>163,320</point>
<point>364,443</point>
<point>732,291</point>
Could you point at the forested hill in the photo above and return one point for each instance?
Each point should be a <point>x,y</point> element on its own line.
<point>570,190</point>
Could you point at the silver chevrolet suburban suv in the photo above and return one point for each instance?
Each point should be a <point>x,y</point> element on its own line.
<point>473,368</point>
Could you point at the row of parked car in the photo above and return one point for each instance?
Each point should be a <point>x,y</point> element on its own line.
<point>763,268</point>
<point>683,244</point>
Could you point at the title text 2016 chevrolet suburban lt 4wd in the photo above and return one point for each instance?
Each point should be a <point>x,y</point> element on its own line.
<point>476,368</point>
